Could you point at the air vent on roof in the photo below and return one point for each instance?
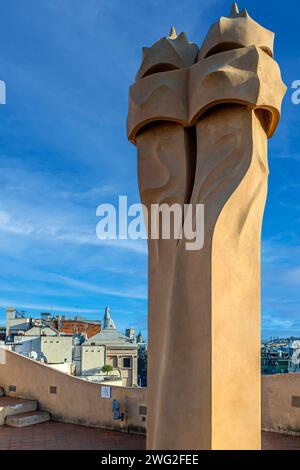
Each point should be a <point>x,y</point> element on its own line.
<point>143,410</point>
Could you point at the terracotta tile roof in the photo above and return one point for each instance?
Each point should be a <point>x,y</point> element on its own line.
<point>76,327</point>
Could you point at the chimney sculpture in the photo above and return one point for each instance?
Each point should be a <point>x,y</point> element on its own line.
<point>200,121</point>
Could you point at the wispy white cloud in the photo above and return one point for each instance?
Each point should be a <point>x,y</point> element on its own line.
<point>290,156</point>
<point>138,293</point>
<point>46,307</point>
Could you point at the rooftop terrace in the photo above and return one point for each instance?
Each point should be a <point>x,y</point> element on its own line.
<point>61,436</point>
<point>82,417</point>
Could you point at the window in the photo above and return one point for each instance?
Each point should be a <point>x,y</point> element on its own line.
<point>127,362</point>
<point>143,410</point>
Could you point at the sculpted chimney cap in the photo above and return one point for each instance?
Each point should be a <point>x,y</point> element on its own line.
<point>168,53</point>
<point>237,30</point>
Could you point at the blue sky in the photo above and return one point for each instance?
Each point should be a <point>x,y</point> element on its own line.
<point>68,65</point>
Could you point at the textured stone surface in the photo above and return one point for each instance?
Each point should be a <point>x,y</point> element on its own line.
<point>34,379</point>
<point>23,420</point>
<point>61,436</point>
<point>201,133</point>
<point>12,406</point>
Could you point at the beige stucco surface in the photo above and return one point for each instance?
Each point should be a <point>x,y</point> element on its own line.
<point>76,401</point>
